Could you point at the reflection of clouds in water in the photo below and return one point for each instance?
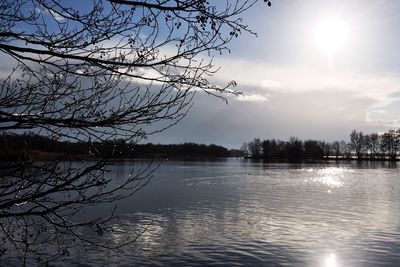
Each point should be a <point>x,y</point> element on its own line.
<point>301,214</point>
<point>211,180</point>
<point>273,215</point>
<point>145,229</point>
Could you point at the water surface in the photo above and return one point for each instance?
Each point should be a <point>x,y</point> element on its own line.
<point>240,213</point>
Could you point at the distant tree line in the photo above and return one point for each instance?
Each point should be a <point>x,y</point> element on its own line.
<point>14,146</point>
<point>361,146</point>
<point>385,146</point>
<point>181,150</point>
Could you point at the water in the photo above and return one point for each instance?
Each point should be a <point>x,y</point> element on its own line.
<point>241,213</point>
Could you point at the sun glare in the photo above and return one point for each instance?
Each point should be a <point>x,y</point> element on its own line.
<point>330,261</point>
<point>331,34</point>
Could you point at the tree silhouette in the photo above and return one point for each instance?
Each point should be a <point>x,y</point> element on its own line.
<point>336,149</point>
<point>357,143</point>
<point>255,148</point>
<point>295,149</point>
<point>93,72</point>
<point>313,150</point>
<point>390,142</point>
<point>374,144</point>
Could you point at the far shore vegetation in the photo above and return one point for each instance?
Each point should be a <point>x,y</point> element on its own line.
<point>361,146</point>
<point>38,147</point>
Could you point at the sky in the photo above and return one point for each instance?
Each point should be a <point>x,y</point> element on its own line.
<point>317,70</point>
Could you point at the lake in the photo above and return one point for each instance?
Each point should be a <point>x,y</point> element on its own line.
<point>236,212</point>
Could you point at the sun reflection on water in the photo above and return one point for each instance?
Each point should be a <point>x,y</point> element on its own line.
<point>331,177</point>
<point>331,261</point>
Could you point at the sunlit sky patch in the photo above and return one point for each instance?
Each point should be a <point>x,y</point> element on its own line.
<point>317,69</point>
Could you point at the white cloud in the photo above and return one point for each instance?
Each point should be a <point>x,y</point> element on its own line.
<point>292,78</point>
<point>252,98</point>
<point>270,84</point>
<point>317,97</point>
<point>378,111</point>
<point>381,118</point>
<point>336,108</point>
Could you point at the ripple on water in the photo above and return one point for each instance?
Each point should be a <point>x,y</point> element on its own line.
<point>234,213</point>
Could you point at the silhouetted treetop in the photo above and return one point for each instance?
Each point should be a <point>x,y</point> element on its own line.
<point>385,146</point>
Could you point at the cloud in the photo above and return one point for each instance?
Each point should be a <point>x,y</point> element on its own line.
<point>270,84</point>
<point>316,96</point>
<point>336,108</point>
<point>252,98</point>
<point>384,87</point>
<point>375,116</point>
<point>382,118</point>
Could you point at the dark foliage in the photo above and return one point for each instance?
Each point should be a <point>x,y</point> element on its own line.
<point>13,147</point>
<point>368,147</point>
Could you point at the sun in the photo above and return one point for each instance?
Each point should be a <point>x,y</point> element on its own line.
<point>331,34</point>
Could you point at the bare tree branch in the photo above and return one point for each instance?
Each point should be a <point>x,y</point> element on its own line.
<point>96,72</point>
